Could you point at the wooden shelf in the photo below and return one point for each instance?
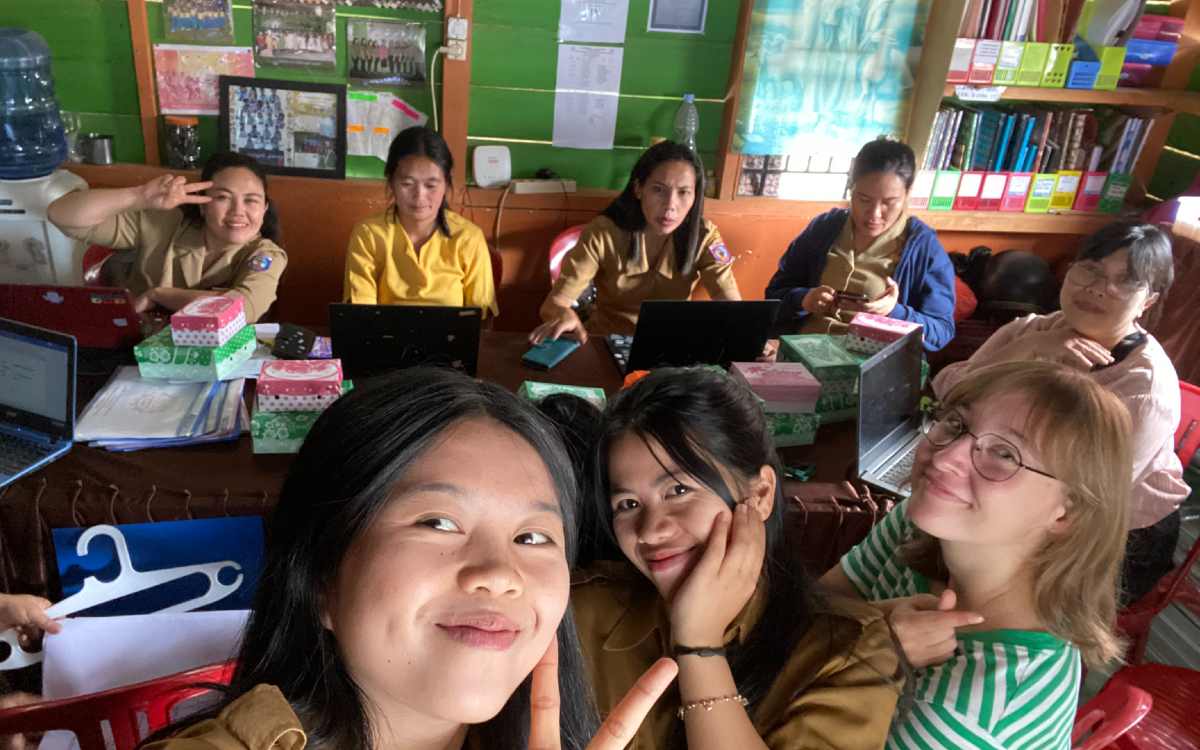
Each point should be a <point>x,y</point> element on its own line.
<point>1014,222</point>
<point>1179,101</point>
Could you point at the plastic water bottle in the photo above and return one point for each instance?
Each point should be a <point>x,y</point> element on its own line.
<point>32,142</point>
<point>687,122</point>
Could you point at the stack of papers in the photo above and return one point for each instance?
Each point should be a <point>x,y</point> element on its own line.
<point>131,413</point>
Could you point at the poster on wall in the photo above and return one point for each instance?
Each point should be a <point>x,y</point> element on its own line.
<point>291,127</point>
<point>826,78</point>
<point>198,21</point>
<point>188,76</point>
<point>295,34</point>
<point>385,53</point>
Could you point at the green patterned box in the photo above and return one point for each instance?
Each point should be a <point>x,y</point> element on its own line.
<point>841,406</point>
<point>532,391</point>
<point>794,429</point>
<point>822,354</point>
<point>281,431</point>
<point>159,357</point>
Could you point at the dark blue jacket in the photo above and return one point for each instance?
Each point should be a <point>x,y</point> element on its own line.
<point>923,273</point>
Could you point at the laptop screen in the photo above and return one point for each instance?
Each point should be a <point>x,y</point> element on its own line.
<point>889,397</point>
<point>35,376</point>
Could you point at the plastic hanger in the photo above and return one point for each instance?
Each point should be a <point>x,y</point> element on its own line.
<point>128,581</point>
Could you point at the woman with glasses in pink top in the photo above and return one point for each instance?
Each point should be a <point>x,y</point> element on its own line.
<point>1119,273</point>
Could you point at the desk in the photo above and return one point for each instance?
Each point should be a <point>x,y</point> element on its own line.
<point>92,486</point>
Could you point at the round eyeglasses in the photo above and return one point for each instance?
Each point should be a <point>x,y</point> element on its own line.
<point>995,458</point>
<point>1085,275</point>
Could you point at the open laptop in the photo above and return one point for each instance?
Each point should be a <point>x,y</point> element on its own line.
<point>98,317</point>
<point>678,333</point>
<point>37,397</point>
<point>374,339</point>
<point>889,414</point>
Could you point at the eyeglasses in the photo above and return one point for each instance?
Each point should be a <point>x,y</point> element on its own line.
<point>1084,275</point>
<point>995,458</point>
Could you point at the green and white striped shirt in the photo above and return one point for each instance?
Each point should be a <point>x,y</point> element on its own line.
<point>1010,689</point>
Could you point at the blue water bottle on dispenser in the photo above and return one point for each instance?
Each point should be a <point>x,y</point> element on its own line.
<point>32,142</point>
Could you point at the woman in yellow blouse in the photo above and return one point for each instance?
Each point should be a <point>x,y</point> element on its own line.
<point>417,251</point>
<point>652,242</point>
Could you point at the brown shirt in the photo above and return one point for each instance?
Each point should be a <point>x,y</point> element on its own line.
<point>171,254</point>
<point>837,690</point>
<point>602,255</point>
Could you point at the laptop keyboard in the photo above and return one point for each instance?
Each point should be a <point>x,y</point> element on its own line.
<point>18,454</point>
<point>900,470</point>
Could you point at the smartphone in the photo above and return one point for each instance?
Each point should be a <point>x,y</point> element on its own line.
<point>549,353</point>
<point>854,296</point>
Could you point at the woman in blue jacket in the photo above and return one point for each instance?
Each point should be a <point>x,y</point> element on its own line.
<point>873,249</point>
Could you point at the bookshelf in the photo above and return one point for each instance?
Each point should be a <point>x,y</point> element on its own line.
<point>1161,105</point>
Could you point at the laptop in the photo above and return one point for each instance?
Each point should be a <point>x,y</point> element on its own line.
<point>375,339</point>
<point>679,333</point>
<point>889,414</point>
<point>98,317</point>
<point>37,397</point>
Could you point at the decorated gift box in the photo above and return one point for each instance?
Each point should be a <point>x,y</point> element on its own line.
<point>281,431</point>
<point>160,357</point>
<point>208,321</point>
<point>837,407</point>
<point>794,429</point>
<point>299,384</point>
<point>785,387</point>
<point>535,392</point>
<point>871,333</point>
<point>825,357</point>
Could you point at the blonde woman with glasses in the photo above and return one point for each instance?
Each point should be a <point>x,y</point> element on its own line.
<point>1000,571</point>
<point>1119,274</point>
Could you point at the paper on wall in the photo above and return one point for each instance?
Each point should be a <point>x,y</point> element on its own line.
<point>585,100</point>
<point>373,118</point>
<point>600,21</point>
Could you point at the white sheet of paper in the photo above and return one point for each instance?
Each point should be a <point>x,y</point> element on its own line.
<point>131,406</point>
<point>585,101</point>
<point>677,16</point>
<point>92,654</point>
<point>593,21</point>
<point>373,118</point>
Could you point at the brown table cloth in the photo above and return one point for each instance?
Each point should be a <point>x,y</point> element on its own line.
<point>92,486</point>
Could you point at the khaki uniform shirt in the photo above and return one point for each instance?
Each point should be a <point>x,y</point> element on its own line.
<point>602,255</point>
<point>866,272</point>
<point>837,690</point>
<point>171,253</point>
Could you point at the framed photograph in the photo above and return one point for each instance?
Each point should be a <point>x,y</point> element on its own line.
<point>677,16</point>
<point>208,21</point>
<point>385,53</point>
<point>298,35</point>
<point>187,76</point>
<point>291,127</point>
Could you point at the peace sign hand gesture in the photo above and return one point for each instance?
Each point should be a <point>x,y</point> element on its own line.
<point>169,191</point>
<point>620,726</point>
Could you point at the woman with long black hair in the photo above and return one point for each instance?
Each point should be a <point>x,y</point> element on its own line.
<point>652,242</point>
<point>689,486</point>
<point>416,574</point>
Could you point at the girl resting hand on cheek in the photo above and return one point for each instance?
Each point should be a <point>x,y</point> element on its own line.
<point>416,573</point>
<point>688,482</point>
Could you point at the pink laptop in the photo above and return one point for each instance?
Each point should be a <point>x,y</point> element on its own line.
<point>98,317</point>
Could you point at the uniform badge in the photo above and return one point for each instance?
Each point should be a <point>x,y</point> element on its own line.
<point>720,252</point>
<point>262,262</point>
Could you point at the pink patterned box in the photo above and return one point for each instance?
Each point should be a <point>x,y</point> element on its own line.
<point>871,333</point>
<point>784,387</point>
<point>208,321</point>
<point>299,385</point>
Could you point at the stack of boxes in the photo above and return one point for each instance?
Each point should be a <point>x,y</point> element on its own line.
<point>833,366</point>
<point>788,394</point>
<point>206,340</point>
<point>291,394</point>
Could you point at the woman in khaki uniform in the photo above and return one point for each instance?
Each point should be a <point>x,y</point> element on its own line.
<point>652,242</point>
<point>217,236</point>
<point>689,484</point>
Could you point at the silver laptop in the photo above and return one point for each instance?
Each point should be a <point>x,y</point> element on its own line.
<point>889,414</point>
<point>37,397</point>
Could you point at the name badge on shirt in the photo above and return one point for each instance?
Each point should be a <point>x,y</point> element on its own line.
<point>259,262</point>
<point>720,252</point>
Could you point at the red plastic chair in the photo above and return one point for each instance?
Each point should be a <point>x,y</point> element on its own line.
<point>119,708</point>
<point>1134,622</point>
<point>93,261</point>
<point>562,243</point>
<point>1109,715</point>
<point>1172,722</point>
